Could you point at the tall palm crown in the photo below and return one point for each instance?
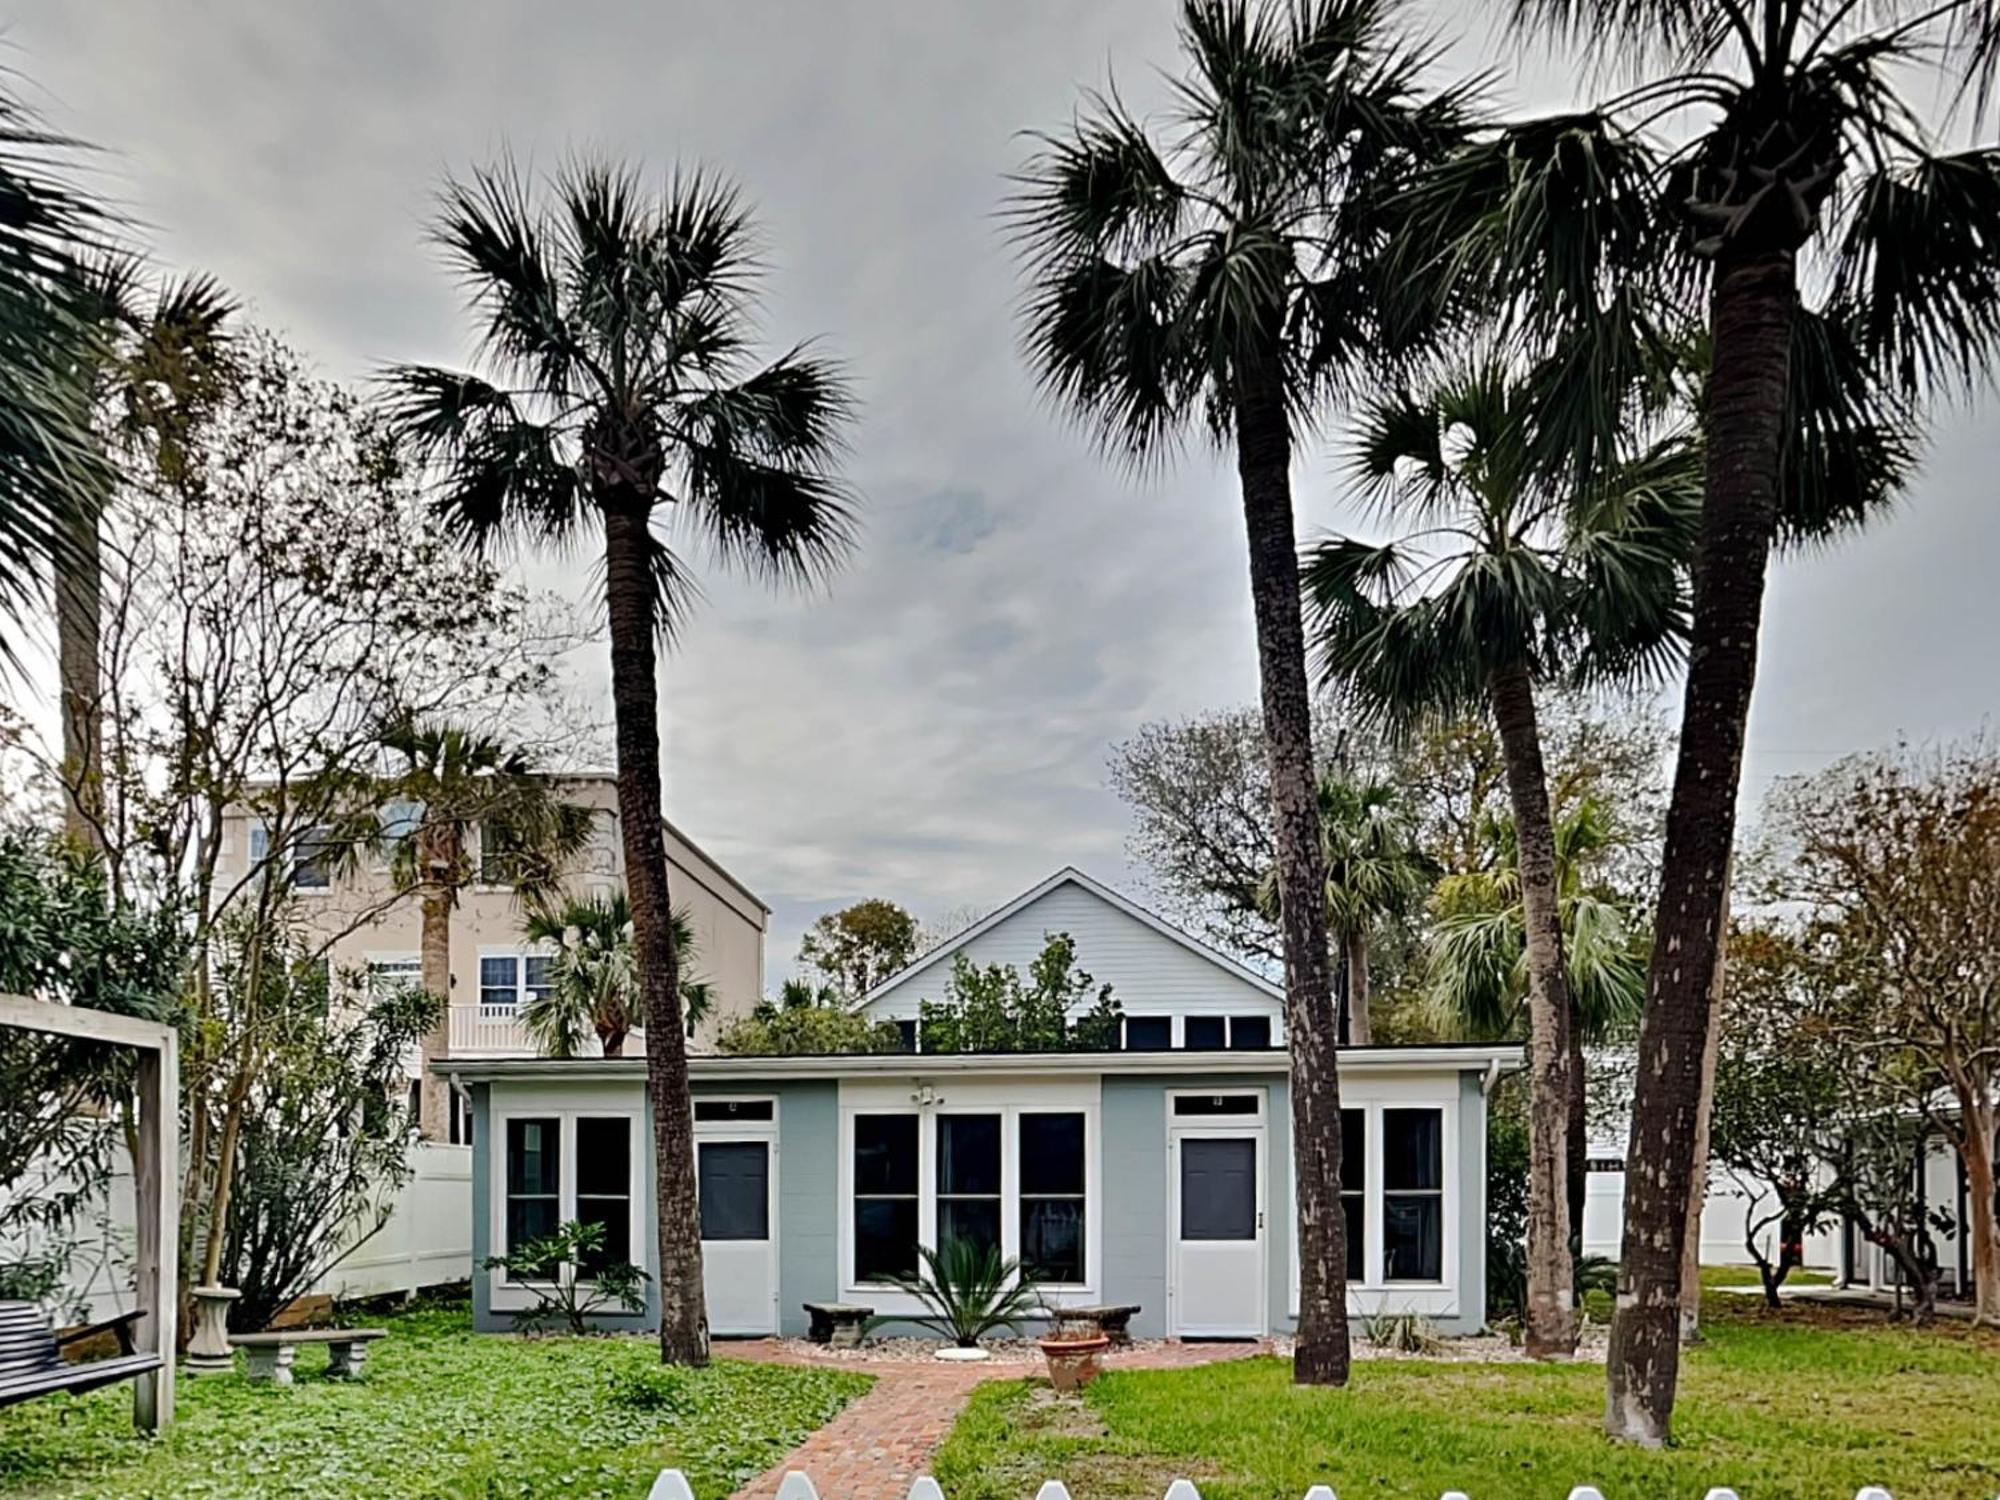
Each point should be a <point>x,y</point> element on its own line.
<point>1806,197</point>
<point>451,785</point>
<point>594,979</point>
<point>1223,276</point>
<point>1501,564</point>
<point>1477,979</point>
<point>616,328</point>
<point>49,452</point>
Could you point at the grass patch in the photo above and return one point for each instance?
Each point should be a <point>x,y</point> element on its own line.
<point>441,1412</point>
<point>1781,1406</point>
<point>1713,1276</point>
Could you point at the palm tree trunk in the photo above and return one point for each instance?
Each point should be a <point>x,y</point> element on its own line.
<point>1551,1324</point>
<point>1263,465</point>
<point>1751,315</point>
<point>1577,1169</point>
<point>1711,1058</point>
<point>629,596</point>
<point>434,947</point>
<point>1360,1028</point>
<point>79,630</point>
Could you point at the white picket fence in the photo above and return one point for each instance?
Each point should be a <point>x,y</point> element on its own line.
<point>673,1485</point>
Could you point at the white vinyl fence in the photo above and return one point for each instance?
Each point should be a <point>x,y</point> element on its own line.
<point>673,1485</point>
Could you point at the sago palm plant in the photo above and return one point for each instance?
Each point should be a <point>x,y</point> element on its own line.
<point>970,1290</point>
<point>623,395</point>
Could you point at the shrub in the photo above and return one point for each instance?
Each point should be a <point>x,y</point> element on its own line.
<point>548,1267</point>
<point>1403,1333</point>
<point>970,1291</point>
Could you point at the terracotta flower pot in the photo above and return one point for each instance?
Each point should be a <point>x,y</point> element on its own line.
<point>1073,1361</point>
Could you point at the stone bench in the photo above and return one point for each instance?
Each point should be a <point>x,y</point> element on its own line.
<point>838,1325</point>
<point>269,1356</point>
<point>1113,1320</point>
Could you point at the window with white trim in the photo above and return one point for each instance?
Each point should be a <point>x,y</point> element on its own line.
<point>1053,1177</point>
<point>604,1186</point>
<point>391,976</point>
<point>1014,1179</point>
<point>534,1179</point>
<point>563,1166</point>
<point>499,980</point>
<point>886,1197</point>
<point>1354,1186</point>
<point>1413,1194</point>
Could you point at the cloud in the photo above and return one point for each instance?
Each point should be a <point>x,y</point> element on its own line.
<point>933,727</point>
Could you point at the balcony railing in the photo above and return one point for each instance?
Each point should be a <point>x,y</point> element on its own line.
<point>496,1031</point>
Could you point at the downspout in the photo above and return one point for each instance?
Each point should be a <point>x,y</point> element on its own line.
<point>1485,1084</point>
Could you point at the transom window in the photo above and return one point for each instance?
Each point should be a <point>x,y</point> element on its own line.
<point>1011,1180</point>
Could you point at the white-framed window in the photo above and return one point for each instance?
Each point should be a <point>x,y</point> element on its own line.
<point>499,981</point>
<point>1017,1178</point>
<point>559,1165</point>
<point>312,853</point>
<point>499,855</point>
<point>1354,1187</point>
<point>396,820</point>
<point>390,973</point>
<point>1412,1193</point>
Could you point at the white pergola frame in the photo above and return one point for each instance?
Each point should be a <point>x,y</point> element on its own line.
<point>155,1179</point>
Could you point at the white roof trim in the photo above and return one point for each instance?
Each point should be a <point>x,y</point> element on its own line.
<point>1071,875</point>
<point>710,1067</point>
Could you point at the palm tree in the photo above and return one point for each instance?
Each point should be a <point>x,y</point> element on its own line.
<point>1477,980</point>
<point>157,361</point>
<point>447,787</point>
<point>1801,169</point>
<point>1221,277</point>
<point>1530,584</point>
<point>594,977</point>
<point>1376,871</point>
<point>618,329</point>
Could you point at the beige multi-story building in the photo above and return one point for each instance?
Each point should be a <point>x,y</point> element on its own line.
<point>494,969</point>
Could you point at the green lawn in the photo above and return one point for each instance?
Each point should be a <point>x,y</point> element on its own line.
<point>441,1412</point>
<point>1808,1403</point>
<point>1747,1276</point>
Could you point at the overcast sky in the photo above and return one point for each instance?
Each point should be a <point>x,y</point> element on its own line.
<point>935,727</point>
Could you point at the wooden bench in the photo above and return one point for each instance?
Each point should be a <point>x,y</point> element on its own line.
<point>31,1362</point>
<point>269,1356</point>
<point>838,1325</point>
<point>1113,1320</point>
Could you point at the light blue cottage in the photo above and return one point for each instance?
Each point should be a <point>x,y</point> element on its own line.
<point>1158,1175</point>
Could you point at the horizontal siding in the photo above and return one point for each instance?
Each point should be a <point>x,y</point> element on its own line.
<point>1149,973</point>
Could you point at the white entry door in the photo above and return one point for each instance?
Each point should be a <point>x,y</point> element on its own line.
<point>739,1246</point>
<point>1217,1260</point>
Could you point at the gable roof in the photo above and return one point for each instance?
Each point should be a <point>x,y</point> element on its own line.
<point>1071,875</point>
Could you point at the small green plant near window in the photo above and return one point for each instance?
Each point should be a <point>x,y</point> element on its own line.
<point>539,1265</point>
<point>1403,1333</point>
<point>970,1291</point>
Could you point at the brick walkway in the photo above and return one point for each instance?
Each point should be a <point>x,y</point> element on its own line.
<point>883,1441</point>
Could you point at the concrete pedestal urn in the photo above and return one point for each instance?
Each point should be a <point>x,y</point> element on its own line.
<point>208,1352</point>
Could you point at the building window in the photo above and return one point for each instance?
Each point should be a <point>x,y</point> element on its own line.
<point>534,1180</point>
<point>906,1036</point>
<point>885,1196</point>
<point>1249,1033</point>
<point>1217,1104</point>
<point>499,855</point>
<point>1205,1033</point>
<point>391,976</point>
<point>968,1180</point>
<point>1149,1033</point>
<point>604,1187</point>
<point>312,860</point>
<point>1354,1186</point>
<point>500,981</point>
<point>1052,1197</point>
<point>535,976</point>
<point>1412,1195</point>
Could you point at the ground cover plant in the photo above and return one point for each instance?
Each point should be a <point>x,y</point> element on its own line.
<point>1807,1403</point>
<point>442,1412</point>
